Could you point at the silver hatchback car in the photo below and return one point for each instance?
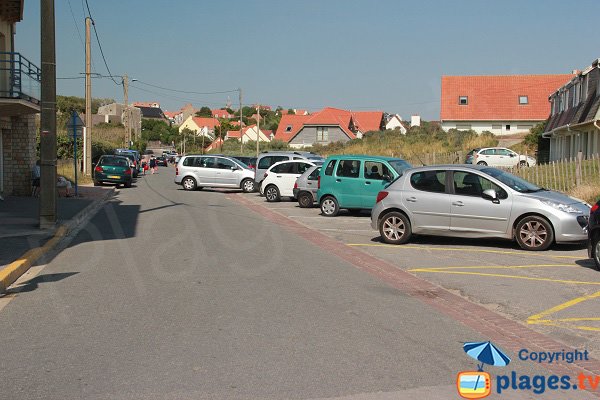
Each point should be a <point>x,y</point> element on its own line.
<point>477,202</point>
<point>198,171</point>
<point>306,186</point>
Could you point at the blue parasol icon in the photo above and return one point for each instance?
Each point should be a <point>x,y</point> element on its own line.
<point>486,353</point>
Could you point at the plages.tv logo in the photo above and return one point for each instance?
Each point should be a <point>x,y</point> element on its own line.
<point>478,384</point>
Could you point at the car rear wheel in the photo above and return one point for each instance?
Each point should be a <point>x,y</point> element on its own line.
<point>481,163</point>
<point>534,233</point>
<point>596,250</point>
<point>127,184</point>
<point>395,228</point>
<point>189,183</point>
<point>305,200</point>
<point>523,163</point>
<point>329,206</point>
<point>248,185</point>
<point>272,193</point>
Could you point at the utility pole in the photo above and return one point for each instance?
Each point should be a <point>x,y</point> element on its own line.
<point>241,130</point>
<point>257,129</point>
<point>126,110</point>
<point>87,166</point>
<point>47,210</point>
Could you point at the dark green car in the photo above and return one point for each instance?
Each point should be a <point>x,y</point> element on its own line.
<point>113,169</point>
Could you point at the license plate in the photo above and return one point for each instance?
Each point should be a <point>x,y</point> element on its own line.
<point>114,177</point>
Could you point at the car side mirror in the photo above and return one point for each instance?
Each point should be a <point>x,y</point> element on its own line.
<point>512,155</point>
<point>387,178</point>
<point>490,194</point>
<point>234,168</point>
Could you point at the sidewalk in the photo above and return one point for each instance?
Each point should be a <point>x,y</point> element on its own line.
<point>19,230</point>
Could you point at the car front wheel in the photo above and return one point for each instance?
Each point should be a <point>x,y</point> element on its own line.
<point>395,228</point>
<point>596,249</point>
<point>534,233</point>
<point>248,185</point>
<point>272,193</point>
<point>481,163</point>
<point>329,206</point>
<point>189,183</point>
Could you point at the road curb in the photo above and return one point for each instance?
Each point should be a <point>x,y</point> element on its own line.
<point>16,269</point>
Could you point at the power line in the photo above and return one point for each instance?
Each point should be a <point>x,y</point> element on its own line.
<point>75,22</point>
<point>187,91</point>
<point>100,45</point>
<point>175,97</point>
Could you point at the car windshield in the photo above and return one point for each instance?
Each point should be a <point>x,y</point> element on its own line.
<point>512,181</point>
<point>114,161</point>
<point>243,164</point>
<point>399,165</point>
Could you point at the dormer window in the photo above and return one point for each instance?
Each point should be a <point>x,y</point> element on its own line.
<point>523,100</point>
<point>288,128</point>
<point>463,100</point>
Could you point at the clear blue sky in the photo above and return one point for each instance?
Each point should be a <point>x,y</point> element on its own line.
<point>354,54</point>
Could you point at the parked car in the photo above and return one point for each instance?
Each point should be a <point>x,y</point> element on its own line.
<point>267,159</point>
<point>199,171</point>
<point>476,201</point>
<point>500,157</point>
<point>279,180</point>
<point>134,161</point>
<point>113,169</point>
<point>353,181</point>
<point>305,188</point>
<point>249,161</point>
<point>469,157</point>
<point>594,234</point>
<point>162,161</point>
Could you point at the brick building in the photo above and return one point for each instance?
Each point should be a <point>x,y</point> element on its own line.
<point>19,103</point>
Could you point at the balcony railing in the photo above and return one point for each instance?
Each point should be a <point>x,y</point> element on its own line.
<point>19,78</point>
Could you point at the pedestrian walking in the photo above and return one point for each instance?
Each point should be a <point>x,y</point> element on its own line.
<point>152,164</point>
<point>35,179</point>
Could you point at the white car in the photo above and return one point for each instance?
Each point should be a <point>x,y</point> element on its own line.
<point>501,157</point>
<point>280,178</point>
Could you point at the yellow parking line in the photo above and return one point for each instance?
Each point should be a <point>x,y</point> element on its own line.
<point>434,269</point>
<point>538,317</point>
<point>520,253</point>
<point>529,278</point>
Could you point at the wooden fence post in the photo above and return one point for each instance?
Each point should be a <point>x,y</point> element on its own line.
<point>578,168</point>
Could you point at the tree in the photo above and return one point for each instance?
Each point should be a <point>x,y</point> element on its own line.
<point>204,112</point>
<point>291,111</point>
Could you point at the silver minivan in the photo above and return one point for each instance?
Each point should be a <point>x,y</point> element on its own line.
<point>198,171</point>
<point>477,202</point>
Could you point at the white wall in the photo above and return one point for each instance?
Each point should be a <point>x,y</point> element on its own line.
<point>480,126</point>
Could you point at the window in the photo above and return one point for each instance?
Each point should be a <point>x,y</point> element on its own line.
<point>285,168</point>
<point>301,167</point>
<point>429,181</point>
<point>189,161</point>
<point>223,163</point>
<point>463,100</point>
<point>524,127</point>
<point>523,100</point>
<point>314,175</point>
<point>322,134</point>
<point>206,162</point>
<point>497,127</point>
<point>470,184</point>
<point>463,127</point>
<point>288,128</point>
<point>329,169</point>
<point>348,168</point>
<point>508,127</point>
<point>488,152</point>
<point>376,170</point>
<point>503,152</point>
<point>265,162</point>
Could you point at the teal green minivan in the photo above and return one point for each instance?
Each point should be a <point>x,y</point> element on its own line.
<point>353,181</point>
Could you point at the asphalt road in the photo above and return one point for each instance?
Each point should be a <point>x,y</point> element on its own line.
<point>167,294</point>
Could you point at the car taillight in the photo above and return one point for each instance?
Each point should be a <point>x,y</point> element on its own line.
<point>319,182</point>
<point>176,170</point>
<point>295,185</point>
<point>98,169</point>
<point>265,175</point>
<point>594,208</point>
<point>381,195</point>
<point>128,171</point>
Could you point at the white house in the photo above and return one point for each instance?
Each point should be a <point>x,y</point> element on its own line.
<point>395,122</point>
<point>249,133</point>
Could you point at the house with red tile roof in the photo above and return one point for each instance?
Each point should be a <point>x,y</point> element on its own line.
<point>216,144</point>
<point>249,133</point>
<point>203,126</point>
<point>296,111</point>
<point>501,104</point>
<point>327,126</point>
<point>574,122</point>
<point>221,114</point>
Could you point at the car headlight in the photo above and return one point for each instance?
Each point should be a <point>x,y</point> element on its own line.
<point>562,207</point>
